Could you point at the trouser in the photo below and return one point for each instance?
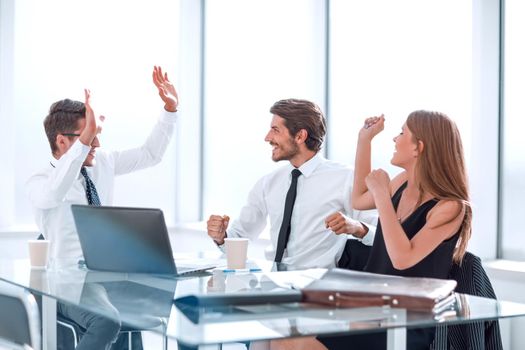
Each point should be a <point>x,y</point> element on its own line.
<point>100,332</point>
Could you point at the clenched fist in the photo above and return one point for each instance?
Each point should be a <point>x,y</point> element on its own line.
<point>339,224</point>
<point>217,226</point>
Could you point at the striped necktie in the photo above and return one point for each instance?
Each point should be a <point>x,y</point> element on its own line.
<point>91,191</point>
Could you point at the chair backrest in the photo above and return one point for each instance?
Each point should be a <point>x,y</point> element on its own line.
<point>472,279</point>
<point>19,318</point>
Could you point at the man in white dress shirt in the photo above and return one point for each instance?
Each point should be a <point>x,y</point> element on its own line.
<point>321,216</point>
<point>72,129</point>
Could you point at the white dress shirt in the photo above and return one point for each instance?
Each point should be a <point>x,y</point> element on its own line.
<point>59,184</point>
<point>324,188</point>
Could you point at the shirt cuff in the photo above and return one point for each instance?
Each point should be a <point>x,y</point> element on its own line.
<point>368,239</point>
<point>168,117</point>
<point>221,247</point>
<point>79,149</point>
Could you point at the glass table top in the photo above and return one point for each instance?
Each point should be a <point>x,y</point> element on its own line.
<point>147,302</point>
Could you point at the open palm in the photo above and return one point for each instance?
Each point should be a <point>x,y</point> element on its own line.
<point>167,91</point>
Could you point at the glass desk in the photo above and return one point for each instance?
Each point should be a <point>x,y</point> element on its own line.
<point>146,302</point>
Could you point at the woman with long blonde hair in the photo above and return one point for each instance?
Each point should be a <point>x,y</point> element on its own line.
<point>424,212</point>
<point>432,189</point>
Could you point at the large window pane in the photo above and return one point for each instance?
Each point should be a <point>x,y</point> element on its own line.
<point>394,57</point>
<point>110,47</point>
<point>513,165</point>
<point>257,52</point>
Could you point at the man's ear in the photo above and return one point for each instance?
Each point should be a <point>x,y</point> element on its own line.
<point>301,136</point>
<point>62,144</point>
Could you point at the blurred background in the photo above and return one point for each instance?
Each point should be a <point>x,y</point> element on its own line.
<point>232,59</point>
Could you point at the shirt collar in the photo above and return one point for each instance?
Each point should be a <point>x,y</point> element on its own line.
<point>309,167</point>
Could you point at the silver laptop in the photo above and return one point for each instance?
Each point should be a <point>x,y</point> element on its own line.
<point>123,239</point>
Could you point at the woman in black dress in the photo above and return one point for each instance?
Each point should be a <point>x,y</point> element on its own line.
<point>424,213</point>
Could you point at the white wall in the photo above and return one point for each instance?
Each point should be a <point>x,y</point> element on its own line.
<point>508,281</point>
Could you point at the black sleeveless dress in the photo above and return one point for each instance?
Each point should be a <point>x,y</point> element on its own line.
<point>436,265</point>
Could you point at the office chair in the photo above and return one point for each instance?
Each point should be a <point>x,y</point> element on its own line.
<point>472,279</point>
<point>19,319</point>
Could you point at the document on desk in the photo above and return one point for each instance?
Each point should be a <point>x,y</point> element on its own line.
<point>267,288</point>
<point>346,288</point>
<point>337,288</point>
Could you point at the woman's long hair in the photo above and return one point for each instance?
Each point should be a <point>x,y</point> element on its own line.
<point>440,168</point>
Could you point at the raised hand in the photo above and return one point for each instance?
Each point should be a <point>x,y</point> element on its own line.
<point>372,126</point>
<point>167,91</point>
<point>93,127</point>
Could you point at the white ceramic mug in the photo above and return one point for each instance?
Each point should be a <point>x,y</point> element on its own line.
<point>236,252</point>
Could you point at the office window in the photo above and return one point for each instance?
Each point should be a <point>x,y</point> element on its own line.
<point>513,155</point>
<point>394,57</point>
<point>61,47</point>
<point>256,52</point>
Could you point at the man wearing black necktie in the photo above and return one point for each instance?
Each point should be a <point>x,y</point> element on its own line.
<point>78,173</point>
<point>307,200</point>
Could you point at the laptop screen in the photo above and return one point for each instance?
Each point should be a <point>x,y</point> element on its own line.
<point>121,239</point>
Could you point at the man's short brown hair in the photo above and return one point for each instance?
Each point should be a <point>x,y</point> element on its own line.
<point>63,118</point>
<point>302,114</point>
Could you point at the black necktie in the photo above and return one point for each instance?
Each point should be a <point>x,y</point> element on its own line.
<point>91,191</point>
<point>284,232</point>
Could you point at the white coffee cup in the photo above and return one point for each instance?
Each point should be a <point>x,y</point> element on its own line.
<point>217,282</point>
<point>38,251</point>
<point>236,252</point>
